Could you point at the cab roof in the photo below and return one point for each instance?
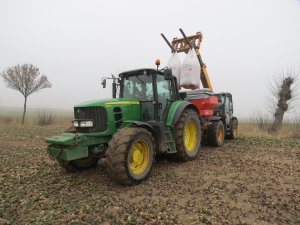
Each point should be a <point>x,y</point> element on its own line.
<point>146,71</point>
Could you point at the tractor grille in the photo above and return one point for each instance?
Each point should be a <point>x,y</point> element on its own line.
<point>97,114</point>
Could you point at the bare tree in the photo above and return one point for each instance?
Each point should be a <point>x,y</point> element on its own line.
<point>283,97</point>
<point>25,79</point>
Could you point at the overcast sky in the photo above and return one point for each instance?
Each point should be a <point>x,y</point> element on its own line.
<point>76,42</point>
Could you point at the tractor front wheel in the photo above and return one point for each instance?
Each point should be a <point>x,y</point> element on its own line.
<point>216,134</point>
<point>187,135</point>
<point>130,155</point>
<point>78,164</point>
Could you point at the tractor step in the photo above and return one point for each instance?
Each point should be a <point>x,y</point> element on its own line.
<point>170,140</point>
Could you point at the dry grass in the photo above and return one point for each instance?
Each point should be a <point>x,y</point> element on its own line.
<point>254,130</point>
<point>36,117</point>
<point>5,119</point>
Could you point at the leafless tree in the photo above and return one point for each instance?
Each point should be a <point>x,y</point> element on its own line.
<point>25,79</point>
<point>283,97</point>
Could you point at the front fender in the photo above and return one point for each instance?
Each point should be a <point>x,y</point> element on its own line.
<point>129,123</point>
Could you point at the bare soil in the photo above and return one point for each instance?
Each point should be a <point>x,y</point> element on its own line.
<point>254,180</point>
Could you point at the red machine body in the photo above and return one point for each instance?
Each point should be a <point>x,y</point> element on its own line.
<point>204,100</point>
<point>206,106</point>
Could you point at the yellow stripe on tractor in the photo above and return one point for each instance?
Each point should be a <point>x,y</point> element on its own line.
<point>122,103</point>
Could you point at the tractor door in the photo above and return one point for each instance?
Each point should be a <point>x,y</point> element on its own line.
<point>140,87</point>
<point>165,94</point>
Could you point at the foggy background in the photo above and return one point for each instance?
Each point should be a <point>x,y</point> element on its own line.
<point>75,43</point>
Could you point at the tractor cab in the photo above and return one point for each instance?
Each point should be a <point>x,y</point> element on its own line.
<point>155,90</point>
<point>225,110</point>
<point>225,106</point>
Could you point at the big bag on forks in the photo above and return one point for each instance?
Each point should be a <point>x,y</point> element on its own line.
<point>175,65</point>
<point>190,72</point>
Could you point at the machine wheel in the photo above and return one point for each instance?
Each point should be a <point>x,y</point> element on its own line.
<point>130,155</point>
<point>187,135</point>
<point>216,134</point>
<point>233,130</point>
<point>78,164</point>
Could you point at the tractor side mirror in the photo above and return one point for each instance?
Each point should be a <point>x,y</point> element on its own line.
<point>103,82</point>
<point>168,74</point>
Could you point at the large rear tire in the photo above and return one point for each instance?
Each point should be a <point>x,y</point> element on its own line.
<point>78,164</point>
<point>216,134</point>
<point>130,155</point>
<point>233,135</point>
<point>187,135</point>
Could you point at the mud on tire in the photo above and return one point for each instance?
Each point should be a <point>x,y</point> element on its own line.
<point>216,134</point>
<point>233,130</point>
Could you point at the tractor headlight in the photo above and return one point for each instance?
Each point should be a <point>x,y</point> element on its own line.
<point>86,123</point>
<point>75,124</point>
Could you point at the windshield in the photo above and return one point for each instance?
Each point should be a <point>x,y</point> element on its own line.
<point>139,86</point>
<point>221,99</point>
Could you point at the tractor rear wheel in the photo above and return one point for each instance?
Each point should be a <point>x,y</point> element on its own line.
<point>216,134</point>
<point>78,164</point>
<point>187,135</point>
<point>233,130</point>
<point>130,155</point>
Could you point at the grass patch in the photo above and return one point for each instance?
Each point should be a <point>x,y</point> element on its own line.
<point>36,116</point>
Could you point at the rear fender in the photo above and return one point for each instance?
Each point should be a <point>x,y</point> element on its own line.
<point>177,109</point>
<point>234,118</point>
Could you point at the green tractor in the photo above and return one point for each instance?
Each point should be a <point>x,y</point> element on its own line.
<point>147,119</point>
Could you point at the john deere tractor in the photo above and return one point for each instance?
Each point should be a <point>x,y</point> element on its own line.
<point>148,117</point>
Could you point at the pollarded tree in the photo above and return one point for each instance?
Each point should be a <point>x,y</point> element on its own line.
<point>283,95</point>
<point>25,79</point>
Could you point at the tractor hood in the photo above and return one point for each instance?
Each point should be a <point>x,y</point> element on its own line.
<point>109,102</point>
<point>108,114</point>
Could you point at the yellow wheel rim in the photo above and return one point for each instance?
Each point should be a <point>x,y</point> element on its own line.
<point>139,157</point>
<point>235,131</point>
<point>190,135</point>
<point>220,134</point>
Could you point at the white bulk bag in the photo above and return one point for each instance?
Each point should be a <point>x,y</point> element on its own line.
<point>175,64</point>
<point>190,72</point>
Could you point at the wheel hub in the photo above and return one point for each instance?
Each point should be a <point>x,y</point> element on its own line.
<point>139,157</point>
